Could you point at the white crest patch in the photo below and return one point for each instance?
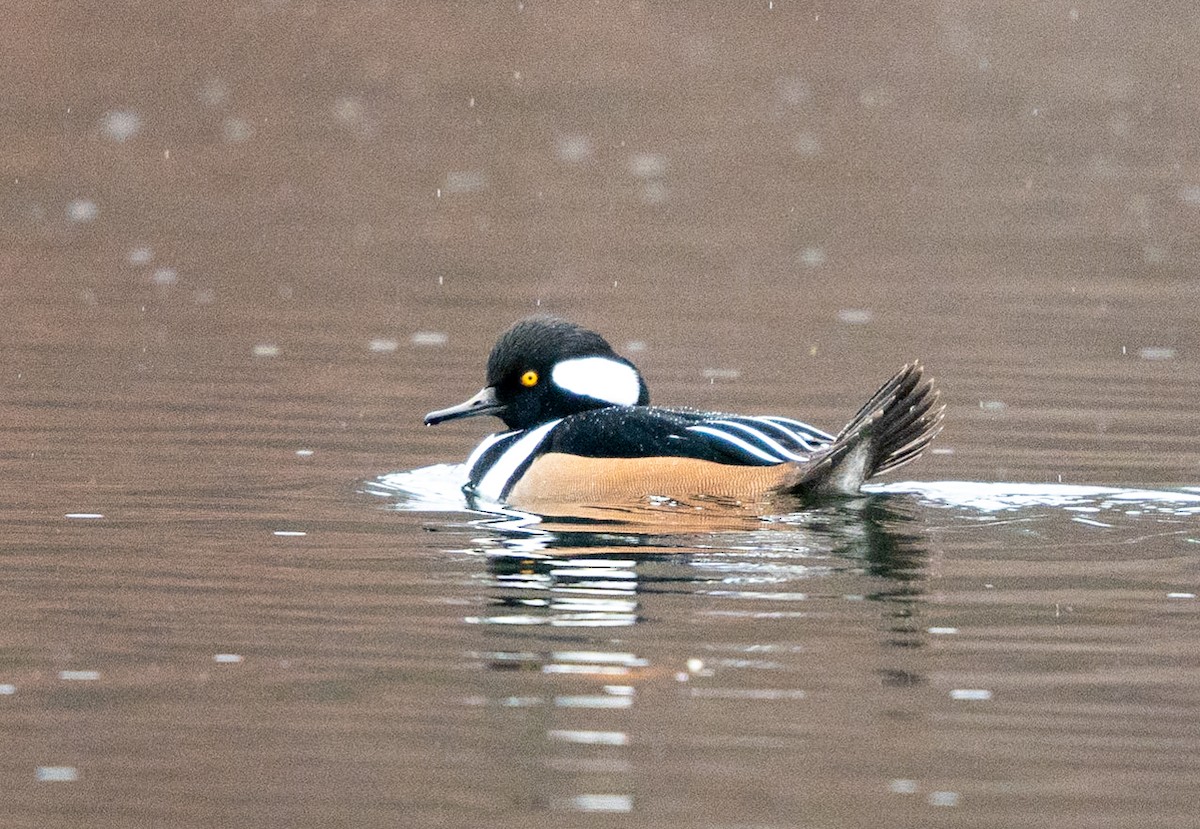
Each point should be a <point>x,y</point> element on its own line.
<point>600,378</point>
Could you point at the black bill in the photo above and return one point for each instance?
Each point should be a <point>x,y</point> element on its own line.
<point>484,403</point>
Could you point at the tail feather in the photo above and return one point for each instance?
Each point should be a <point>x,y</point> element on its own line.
<point>893,428</point>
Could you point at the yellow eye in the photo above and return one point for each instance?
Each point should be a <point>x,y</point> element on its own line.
<point>529,378</point>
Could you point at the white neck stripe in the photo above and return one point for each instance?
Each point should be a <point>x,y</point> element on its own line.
<point>600,378</point>
<point>496,480</point>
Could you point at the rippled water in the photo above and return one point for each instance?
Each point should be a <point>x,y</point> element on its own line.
<point>245,246</point>
<point>950,644</point>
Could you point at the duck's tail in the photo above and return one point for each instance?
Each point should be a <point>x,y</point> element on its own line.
<point>892,429</point>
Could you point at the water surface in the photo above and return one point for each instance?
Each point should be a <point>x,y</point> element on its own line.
<point>244,247</point>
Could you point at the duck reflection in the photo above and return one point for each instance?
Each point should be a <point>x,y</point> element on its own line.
<point>596,591</point>
<point>588,573</point>
<point>587,622</point>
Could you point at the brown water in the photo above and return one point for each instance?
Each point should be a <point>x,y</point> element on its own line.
<point>245,247</point>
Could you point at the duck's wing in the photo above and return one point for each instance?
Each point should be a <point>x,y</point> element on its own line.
<point>648,432</point>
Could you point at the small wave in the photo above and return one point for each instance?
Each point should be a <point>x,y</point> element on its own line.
<point>998,497</point>
<point>436,488</point>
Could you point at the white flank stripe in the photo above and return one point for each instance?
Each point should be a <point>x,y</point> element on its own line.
<point>810,437</point>
<point>600,378</point>
<point>736,441</point>
<point>493,483</point>
<point>771,443</point>
<point>805,430</point>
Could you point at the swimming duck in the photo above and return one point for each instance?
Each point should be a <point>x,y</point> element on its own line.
<point>581,430</point>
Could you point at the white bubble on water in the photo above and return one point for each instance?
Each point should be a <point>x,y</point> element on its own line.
<point>574,149</point>
<point>464,181</point>
<point>434,338</point>
<point>598,803</point>
<point>349,111</point>
<point>79,676</point>
<point>214,92</point>
<point>654,192</point>
<point>648,165</point>
<point>807,144</point>
<point>971,694</point>
<point>57,774</point>
<point>81,211</point>
<point>793,91</point>
<point>855,316</point>
<point>140,256</point>
<point>812,257</point>
<point>120,125</point>
<point>236,130</point>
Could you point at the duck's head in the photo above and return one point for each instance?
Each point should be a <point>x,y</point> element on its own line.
<point>543,368</point>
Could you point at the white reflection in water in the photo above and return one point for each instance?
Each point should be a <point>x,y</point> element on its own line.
<point>976,694</point>
<point>590,738</point>
<point>761,694</point>
<point>383,345</point>
<point>591,592</point>
<point>996,497</point>
<point>602,670</point>
<point>627,659</point>
<point>430,338</point>
<point>57,774</point>
<point>593,701</point>
<point>751,594</point>
<point>79,676</point>
<point>599,803</point>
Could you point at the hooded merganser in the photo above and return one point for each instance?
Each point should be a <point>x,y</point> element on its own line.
<point>581,430</point>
